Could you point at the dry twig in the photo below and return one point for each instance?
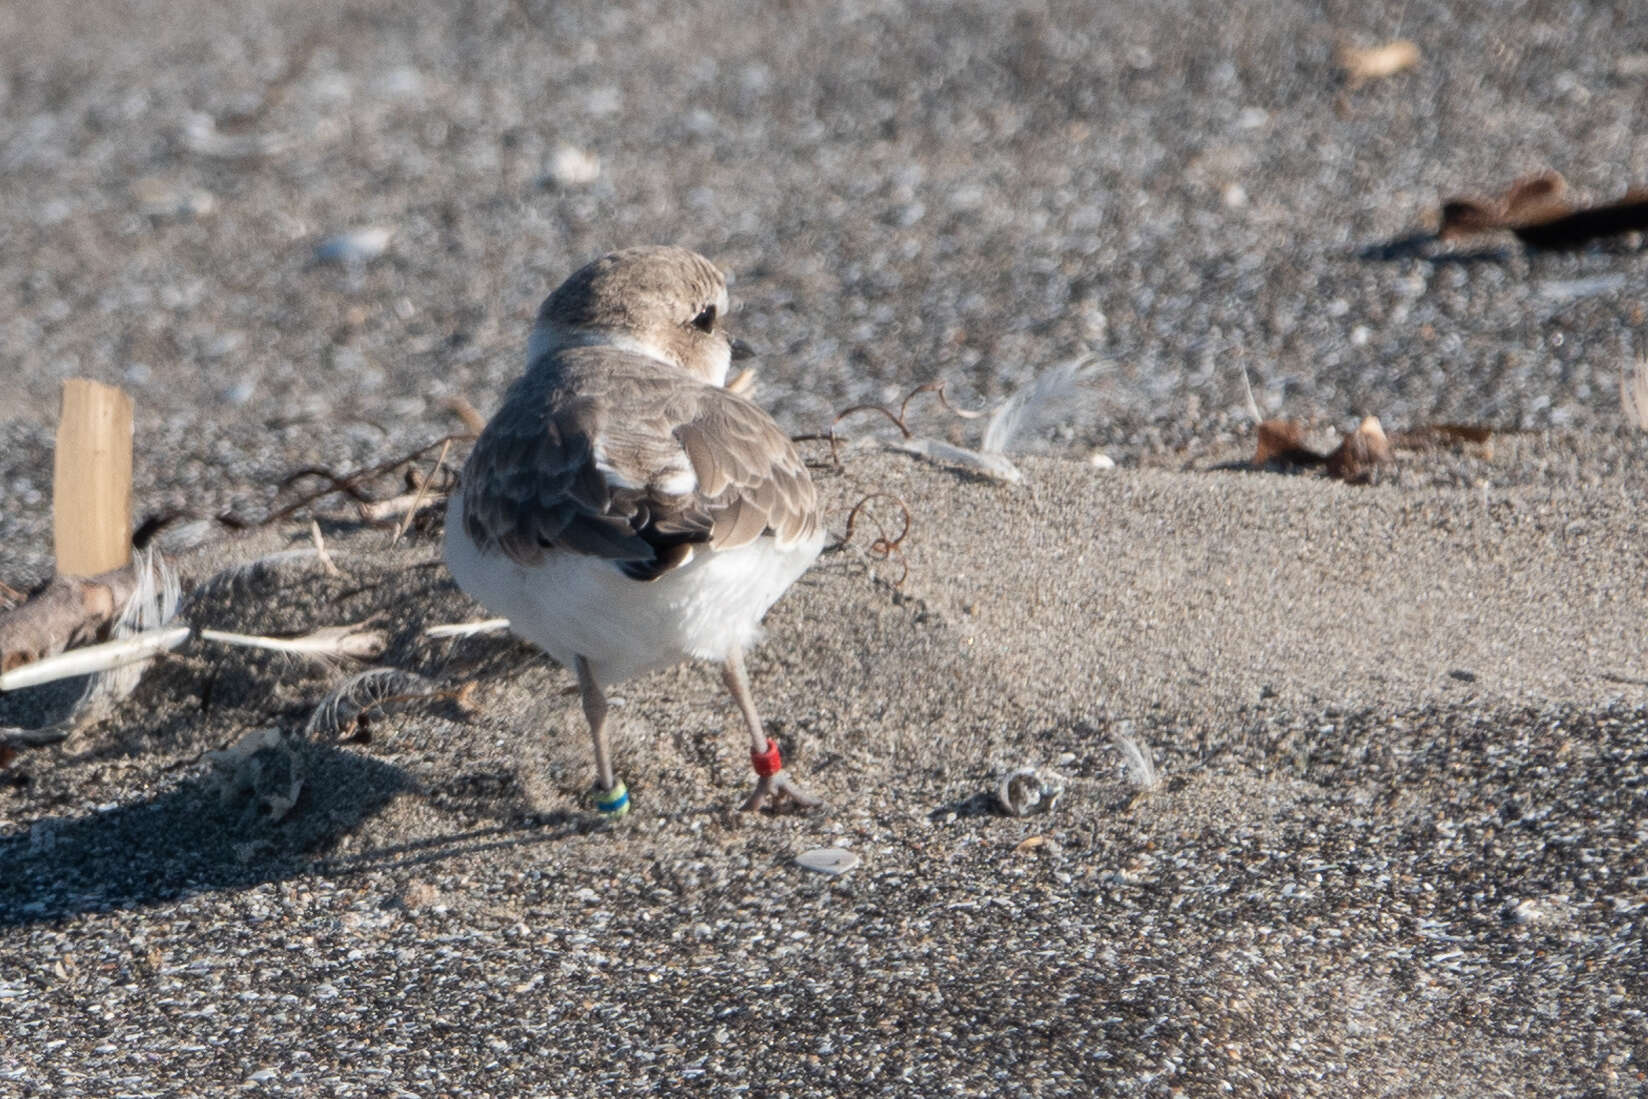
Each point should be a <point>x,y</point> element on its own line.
<point>423,487</point>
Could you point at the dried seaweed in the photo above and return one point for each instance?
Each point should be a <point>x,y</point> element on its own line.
<point>882,547</point>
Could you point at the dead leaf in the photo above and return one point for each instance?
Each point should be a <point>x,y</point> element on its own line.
<point>1571,230</point>
<point>1539,195</point>
<point>1360,451</point>
<point>1282,443</point>
<point>1443,436</point>
<point>1538,211</point>
<point>1530,198</point>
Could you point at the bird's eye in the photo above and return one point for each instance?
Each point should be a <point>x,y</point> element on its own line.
<point>705,320</point>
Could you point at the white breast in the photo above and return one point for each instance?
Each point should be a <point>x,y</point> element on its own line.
<point>571,605</point>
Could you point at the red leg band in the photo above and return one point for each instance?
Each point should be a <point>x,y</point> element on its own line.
<point>768,762</point>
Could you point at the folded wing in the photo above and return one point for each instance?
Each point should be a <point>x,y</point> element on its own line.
<point>634,464</point>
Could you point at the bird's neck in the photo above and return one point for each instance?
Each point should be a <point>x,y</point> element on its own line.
<point>547,338</point>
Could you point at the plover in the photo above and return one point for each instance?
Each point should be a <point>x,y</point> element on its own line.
<point>625,511</point>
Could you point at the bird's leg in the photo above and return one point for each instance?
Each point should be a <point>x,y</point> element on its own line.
<point>611,796</point>
<point>772,784</point>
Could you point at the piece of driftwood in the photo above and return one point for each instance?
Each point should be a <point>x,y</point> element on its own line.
<point>70,610</point>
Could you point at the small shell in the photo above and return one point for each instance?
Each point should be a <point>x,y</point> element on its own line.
<point>833,861</point>
<point>1027,791</point>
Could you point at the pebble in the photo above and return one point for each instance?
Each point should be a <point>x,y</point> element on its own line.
<point>833,861</point>
<point>238,392</point>
<point>356,248</point>
<point>163,201</point>
<point>570,166</point>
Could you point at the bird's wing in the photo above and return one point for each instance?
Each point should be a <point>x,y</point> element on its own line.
<point>751,480</point>
<point>638,471</point>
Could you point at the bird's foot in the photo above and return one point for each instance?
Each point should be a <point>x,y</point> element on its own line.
<point>773,786</point>
<point>774,790</point>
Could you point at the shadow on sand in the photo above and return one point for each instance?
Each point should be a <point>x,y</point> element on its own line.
<point>187,840</point>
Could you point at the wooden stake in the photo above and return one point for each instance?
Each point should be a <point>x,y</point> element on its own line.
<point>92,480</point>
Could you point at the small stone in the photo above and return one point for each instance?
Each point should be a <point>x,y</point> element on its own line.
<point>356,248</point>
<point>238,393</point>
<point>570,166</point>
<point>163,201</point>
<point>833,861</point>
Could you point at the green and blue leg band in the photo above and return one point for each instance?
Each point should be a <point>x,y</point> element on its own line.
<point>613,802</point>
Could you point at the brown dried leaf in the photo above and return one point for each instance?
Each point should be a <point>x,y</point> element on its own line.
<point>1537,209</point>
<point>1442,436</point>
<point>1541,196</point>
<point>1558,229</point>
<point>1282,442</point>
<point>1361,450</point>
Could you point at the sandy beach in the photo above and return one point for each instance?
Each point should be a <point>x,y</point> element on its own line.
<point>1392,844</point>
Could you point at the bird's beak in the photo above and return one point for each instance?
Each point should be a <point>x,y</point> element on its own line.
<point>741,350</point>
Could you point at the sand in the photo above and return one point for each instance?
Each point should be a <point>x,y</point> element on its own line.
<point>1399,729</point>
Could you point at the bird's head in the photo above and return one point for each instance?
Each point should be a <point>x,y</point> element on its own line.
<point>662,301</point>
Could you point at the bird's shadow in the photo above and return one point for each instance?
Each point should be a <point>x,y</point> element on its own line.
<point>192,840</point>
<point>187,840</point>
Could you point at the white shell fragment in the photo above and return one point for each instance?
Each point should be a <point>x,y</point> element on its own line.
<point>1027,791</point>
<point>833,861</point>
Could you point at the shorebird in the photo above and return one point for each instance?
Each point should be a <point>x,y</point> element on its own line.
<point>623,509</point>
